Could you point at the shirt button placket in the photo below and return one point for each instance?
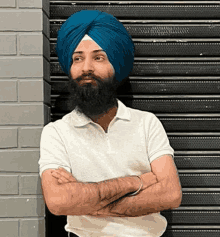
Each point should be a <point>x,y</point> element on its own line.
<point>108,143</point>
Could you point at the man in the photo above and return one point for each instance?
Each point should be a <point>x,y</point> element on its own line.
<point>117,170</point>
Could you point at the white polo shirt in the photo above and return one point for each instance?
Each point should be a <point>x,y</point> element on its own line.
<point>134,139</point>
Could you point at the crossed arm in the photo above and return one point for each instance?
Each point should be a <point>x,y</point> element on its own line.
<point>64,195</point>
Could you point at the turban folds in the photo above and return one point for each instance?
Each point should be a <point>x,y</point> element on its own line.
<point>106,31</point>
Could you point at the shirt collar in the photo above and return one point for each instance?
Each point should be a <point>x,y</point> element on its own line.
<point>123,112</point>
<point>79,119</point>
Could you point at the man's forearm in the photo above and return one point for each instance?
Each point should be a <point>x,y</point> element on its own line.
<point>153,199</point>
<point>83,198</point>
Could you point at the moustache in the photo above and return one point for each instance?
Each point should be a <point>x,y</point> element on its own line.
<point>87,77</point>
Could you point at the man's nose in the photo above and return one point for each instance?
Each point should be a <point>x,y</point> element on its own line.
<point>88,65</point>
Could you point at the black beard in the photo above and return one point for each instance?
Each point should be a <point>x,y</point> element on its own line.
<point>93,100</point>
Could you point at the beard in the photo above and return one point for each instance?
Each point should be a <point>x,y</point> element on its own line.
<point>93,100</point>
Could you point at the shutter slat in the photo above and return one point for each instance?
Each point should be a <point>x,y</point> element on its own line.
<point>175,30</point>
<point>192,217</point>
<point>141,11</point>
<point>163,69</point>
<point>149,49</point>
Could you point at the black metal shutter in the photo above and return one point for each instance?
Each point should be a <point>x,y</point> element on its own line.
<point>176,76</point>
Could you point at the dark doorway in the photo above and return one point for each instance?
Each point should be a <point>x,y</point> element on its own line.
<point>55,225</point>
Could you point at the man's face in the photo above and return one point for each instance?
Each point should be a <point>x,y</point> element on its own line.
<point>92,83</point>
<point>90,58</point>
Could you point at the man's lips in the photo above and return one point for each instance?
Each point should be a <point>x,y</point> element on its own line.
<point>87,80</point>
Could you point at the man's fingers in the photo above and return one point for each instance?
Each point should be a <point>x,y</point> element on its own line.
<point>66,174</point>
<point>61,179</point>
<point>62,172</point>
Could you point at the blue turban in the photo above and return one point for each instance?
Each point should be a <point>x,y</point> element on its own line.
<point>106,31</point>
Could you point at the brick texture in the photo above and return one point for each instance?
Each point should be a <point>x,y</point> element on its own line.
<point>8,90</point>
<point>8,138</point>
<point>31,90</point>
<point>19,160</point>
<point>21,67</point>
<point>46,7</point>
<point>30,137</point>
<point>9,184</point>
<point>34,44</point>
<point>46,48</point>
<point>30,4</point>
<point>32,227</point>
<point>31,44</point>
<point>9,226</point>
<point>46,25</point>
<point>21,20</point>
<point>8,3</point>
<point>46,70</point>
<point>47,93</point>
<point>21,206</point>
<point>34,90</point>
<point>8,44</point>
<point>21,114</point>
<point>25,90</point>
<point>30,184</point>
<point>43,4</point>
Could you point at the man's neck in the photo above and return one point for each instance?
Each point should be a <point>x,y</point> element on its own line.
<point>104,119</point>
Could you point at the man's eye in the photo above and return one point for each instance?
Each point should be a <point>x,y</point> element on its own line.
<point>99,58</point>
<point>77,59</point>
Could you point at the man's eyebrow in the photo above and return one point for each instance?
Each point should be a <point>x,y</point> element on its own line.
<point>94,51</point>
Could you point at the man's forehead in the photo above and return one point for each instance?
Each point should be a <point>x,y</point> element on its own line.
<point>87,37</point>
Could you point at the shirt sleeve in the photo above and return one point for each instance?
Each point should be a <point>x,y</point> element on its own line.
<point>157,141</point>
<point>52,150</point>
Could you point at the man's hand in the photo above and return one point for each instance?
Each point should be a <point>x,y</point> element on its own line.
<point>63,176</point>
<point>126,202</point>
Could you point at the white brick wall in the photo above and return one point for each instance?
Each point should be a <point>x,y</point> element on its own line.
<point>24,110</point>
<point>8,3</point>
<point>8,44</point>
